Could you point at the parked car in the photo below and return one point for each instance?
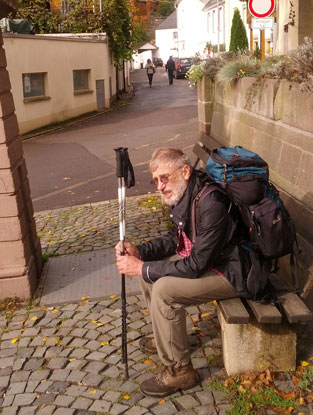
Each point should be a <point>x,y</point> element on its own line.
<point>182,66</point>
<point>157,62</point>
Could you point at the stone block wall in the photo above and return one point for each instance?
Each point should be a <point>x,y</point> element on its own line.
<point>274,119</point>
<point>20,252</point>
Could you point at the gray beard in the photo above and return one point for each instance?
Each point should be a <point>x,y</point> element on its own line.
<point>179,192</point>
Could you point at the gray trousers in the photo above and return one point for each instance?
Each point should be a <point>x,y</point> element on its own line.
<point>167,299</point>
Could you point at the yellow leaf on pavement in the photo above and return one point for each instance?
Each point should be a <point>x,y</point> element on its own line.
<point>14,340</point>
<point>100,324</point>
<point>92,391</point>
<point>93,321</point>
<point>34,318</point>
<point>85,298</point>
<point>112,296</point>
<point>127,397</point>
<point>104,343</point>
<point>45,339</point>
<point>55,311</point>
<point>161,402</point>
<point>148,361</point>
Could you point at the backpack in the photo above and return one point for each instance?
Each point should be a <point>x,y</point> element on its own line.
<point>244,177</point>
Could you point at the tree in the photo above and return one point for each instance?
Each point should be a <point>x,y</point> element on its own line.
<point>238,38</point>
<point>166,7</point>
<point>84,16</point>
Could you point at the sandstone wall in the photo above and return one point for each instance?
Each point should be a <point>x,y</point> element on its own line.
<point>274,119</point>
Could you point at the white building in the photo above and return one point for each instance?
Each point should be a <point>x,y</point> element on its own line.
<point>204,26</point>
<point>144,52</point>
<point>166,37</point>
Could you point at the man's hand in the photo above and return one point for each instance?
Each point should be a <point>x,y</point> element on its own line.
<point>129,263</point>
<point>128,249</point>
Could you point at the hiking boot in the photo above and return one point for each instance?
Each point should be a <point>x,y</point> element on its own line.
<point>147,345</point>
<point>170,380</point>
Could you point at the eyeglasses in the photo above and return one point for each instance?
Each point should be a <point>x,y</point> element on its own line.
<point>164,179</point>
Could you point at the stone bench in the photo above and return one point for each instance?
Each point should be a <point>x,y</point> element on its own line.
<point>257,336</point>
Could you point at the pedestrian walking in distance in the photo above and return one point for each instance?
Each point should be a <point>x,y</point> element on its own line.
<point>199,260</point>
<point>150,68</point>
<point>170,68</point>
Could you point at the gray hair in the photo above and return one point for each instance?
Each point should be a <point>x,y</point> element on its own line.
<point>173,157</point>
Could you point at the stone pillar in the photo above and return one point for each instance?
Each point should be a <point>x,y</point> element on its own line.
<point>255,347</point>
<point>206,93</point>
<point>20,252</point>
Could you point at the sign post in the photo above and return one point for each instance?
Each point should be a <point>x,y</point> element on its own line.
<point>261,10</point>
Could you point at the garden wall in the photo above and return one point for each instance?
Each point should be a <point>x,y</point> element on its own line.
<point>274,119</point>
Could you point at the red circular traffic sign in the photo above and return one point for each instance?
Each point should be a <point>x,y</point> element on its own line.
<point>261,8</point>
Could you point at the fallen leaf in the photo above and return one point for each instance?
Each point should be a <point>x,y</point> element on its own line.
<point>309,397</point>
<point>34,318</point>
<point>161,402</point>
<point>195,319</point>
<point>45,339</point>
<point>55,311</point>
<point>195,328</point>
<point>112,296</point>
<point>85,298</point>
<point>304,363</point>
<point>93,321</point>
<point>203,315</point>
<point>295,379</point>
<point>92,391</point>
<point>66,178</point>
<point>241,389</point>
<point>79,384</point>
<point>104,343</point>
<point>301,401</point>
<point>100,324</point>
<point>127,397</point>
<point>15,340</point>
<point>148,361</point>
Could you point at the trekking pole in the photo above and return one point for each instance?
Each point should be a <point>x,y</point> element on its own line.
<point>123,168</point>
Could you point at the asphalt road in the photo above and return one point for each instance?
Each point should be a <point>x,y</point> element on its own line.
<point>76,165</point>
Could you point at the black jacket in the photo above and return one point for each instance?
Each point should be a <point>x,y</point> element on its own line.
<point>216,245</point>
<point>170,65</point>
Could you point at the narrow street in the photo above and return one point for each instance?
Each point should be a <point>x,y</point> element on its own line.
<point>76,165</point>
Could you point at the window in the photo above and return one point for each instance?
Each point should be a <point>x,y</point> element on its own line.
<point>33,85</point>
<point>81,80</point>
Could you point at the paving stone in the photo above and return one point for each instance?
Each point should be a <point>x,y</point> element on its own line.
<point>31,386</point>
<point>220,397</point>
<point>206,410</point>
<point>58,387</point>
<point>10,411</point>
<point>47,410</point>
<point>92,380</point>
<point>6,352</point>
<point>148,401</point>
<point>129,386</point>
<point>118,409</point>
<point>6,362</point>
<point>64,411</point>
<point>111,396</point>
<point>95,367</point>
<point>16,387</point>
<point>45,399</point>
<point>43,386</point>
<point>39,352</point>
<point>112,372</point>
<point>30,410</point>
<point>224,409</point>
<point>60,374</point>
<point>187,401</point>
<point>75,390</point>
<point>24,399</point>
<point>33,364</point>
<point>75,376</point>
<point>6,371</point>
<point>40,374</point>
<point>76,364</point>
<point>100,406</point>
<point>57,363</point>
<point>205,397</point>
<point>93,393</point>
<point>82,403</point>
<point>64,400</point>
<point>10,335</point>
<point>96,356</point>
<point>53,352</point>
<point>8,400</point>
<point>79,353</point>
<point>136,410</point>
<point>84,412</point>
<point>4,381</point>
<point>168,408</point>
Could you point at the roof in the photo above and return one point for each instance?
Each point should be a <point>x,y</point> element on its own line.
<point>212,3</point>
<point>146,46</point>
<point>170,22</point>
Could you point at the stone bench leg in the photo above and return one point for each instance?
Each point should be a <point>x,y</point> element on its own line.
<point>255,347</point>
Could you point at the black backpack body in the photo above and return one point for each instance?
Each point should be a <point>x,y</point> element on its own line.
<point>244,177</point>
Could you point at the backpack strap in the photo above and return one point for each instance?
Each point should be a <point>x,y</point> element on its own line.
<point>207,189</point>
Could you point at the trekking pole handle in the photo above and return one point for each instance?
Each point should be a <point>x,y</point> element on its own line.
<point>119,162</point>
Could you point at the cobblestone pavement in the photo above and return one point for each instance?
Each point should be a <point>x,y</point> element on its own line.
<point>65,360</point>
<point>95,226</point>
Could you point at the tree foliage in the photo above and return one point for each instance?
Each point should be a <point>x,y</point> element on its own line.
<point>238,39</point>
<point>83,16</point>
<point>166,7</point>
